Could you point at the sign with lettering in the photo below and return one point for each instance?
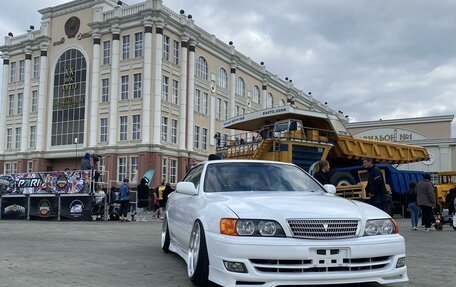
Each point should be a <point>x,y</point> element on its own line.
<point>390,135</point>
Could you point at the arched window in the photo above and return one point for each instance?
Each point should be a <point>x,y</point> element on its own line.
<point>69,99</point>
<point>256,94</point>
<point>270,102</point>
<point>240,87</point>
<point>222,80</point>
<point>282,102</point>
<point>201,68</point>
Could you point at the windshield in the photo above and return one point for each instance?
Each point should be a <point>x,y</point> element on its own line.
<point>255,176</point>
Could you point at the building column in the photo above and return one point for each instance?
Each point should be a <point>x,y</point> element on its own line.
<point>158,82</point>
<point>212,131</point>
<point>40,139</point>
<point>26,102</point>
<point>147,78</point>
<point>191,94</point>
<point>114,101</point>
<point>95,93</point>
<point>4,101</point>
<point>265,95</point>
<point>183,93</point>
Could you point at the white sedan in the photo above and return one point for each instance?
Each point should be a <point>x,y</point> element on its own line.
<point>260,223</point>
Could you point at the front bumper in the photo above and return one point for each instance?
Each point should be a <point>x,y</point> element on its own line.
<point>293,261</point>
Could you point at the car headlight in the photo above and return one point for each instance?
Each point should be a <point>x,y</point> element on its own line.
<point>380,227</point>
<point>251,227</point>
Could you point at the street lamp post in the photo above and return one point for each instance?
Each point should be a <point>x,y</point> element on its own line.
<point>76,148</point>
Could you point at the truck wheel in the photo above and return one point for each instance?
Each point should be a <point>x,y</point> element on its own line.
<point>342,178</point>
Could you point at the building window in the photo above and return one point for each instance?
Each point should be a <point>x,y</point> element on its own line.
<point>138,44</point>
<point>21,70</point>
<point>166,48</point>
<point>9,138</point>
<point>121,168</point>
<point>256,94</point>
<point>125,47</point>
<point>175,52</point>
<point>201,68</point>
<point>32,143</point>
<point>165,88</point>
<point>105,90</point>
<point>218,115</point>
<point>106,52</point>
<point>172,170</point>
<point>270,101</point>
<point>282,102</point>
<point>104,130</point>
<point>30,166</point>
<point>197,107</point>
<point>137,86</point>
<point>204,139</point>
<point>205,103</point>
<point>134,162</point>
<point>240,87</point>
<point>18,137</point>
<point>243,111</point>
<point>136,128</point>
<point>173,131</point>
<point>164,131</point>
<point>175,92</point>
<point>11,105</point>
<point>124,89</point>
<point>225,110</point>
<point>13,72</point>
<point>69,99</point>
<point>7,168</point>
<point>165,169</point>
<point>34,106</point>
<point>222,80</point>
<point>196,140</point>
<point>123,128</point>
<point>238,110</point>
<point>36,67</point>
<point>20,98</point>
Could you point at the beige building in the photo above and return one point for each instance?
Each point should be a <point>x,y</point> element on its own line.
<point>141,85</point>
<point>433,133</point>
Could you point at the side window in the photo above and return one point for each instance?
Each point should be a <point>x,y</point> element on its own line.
<point>194,175</point>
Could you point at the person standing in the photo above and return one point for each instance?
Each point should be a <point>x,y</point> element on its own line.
<point>375,184</point>
<point>425,198</point>
<point>412,206</point>
<point>321,172</point>
<point>143,194</point>
<point>166,192</point>
<point>85,162</point>
<point>161,203</point>
<point>124,200</point>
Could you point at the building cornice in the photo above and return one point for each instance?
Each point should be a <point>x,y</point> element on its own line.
<point>404,121</point>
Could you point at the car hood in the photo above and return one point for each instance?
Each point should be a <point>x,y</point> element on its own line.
<point>286,205</point>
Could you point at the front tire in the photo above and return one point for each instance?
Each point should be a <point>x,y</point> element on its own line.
<point>198,259</point>
<point>342,178</point>
<point>165,238</point>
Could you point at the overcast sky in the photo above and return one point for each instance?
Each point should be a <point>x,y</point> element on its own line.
<point>370,59</point>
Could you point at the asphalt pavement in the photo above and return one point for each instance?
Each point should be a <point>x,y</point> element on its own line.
<point>102,254</point>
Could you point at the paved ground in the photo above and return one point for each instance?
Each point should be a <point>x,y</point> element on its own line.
<point>46,254</point>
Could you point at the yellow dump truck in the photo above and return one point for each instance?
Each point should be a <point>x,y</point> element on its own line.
<point>303,137</point>
<point>446,181</point>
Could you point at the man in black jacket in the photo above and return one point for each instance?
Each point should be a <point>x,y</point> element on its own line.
<point>375,185</point>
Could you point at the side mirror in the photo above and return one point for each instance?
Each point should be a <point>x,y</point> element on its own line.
<point>330,188</point>
<point>186,188</point>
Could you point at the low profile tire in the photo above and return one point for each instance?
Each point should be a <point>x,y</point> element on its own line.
<point>198,259</point>
<point>165,238</point>
<point>342,178</point>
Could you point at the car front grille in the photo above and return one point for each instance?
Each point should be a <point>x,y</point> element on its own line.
<point>323,228</point>
<point>308,266</point>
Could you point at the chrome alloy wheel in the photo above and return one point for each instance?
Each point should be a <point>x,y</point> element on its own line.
<point>194,249</point>
<point>164,232</point>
